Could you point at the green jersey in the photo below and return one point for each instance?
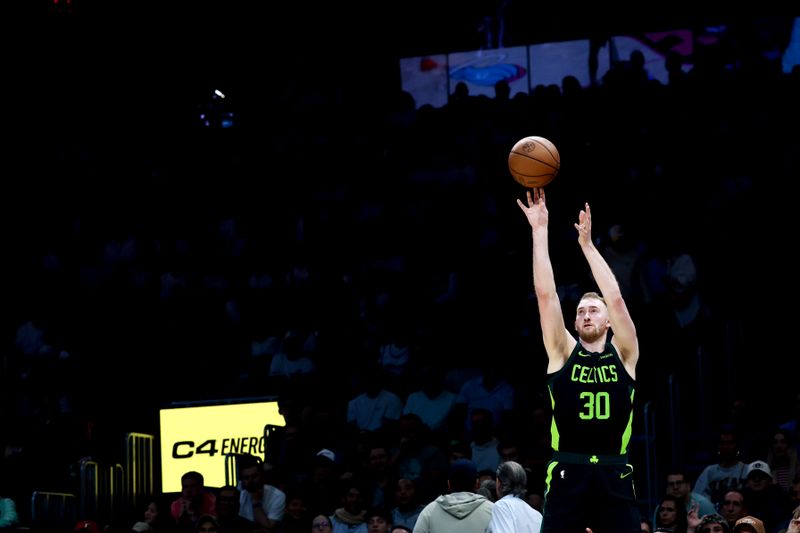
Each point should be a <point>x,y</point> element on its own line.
<point>592,400</point>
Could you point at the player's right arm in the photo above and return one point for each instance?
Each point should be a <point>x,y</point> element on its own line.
<point>557,340</point>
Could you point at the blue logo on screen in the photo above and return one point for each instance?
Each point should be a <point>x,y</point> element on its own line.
<point>488,75</point>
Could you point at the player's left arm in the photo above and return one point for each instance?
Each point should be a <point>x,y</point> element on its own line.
<point>625,340</point>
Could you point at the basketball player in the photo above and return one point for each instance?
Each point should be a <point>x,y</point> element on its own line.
<point>591,385</point>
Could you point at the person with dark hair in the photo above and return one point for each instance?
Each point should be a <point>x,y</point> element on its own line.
<point>156,516</point>
<point>591,382</point>
<point>782,459</point>
<point>672,514</point>
<point>228,518</point>
<point>460,511</point>
<point>351,517</point>
<point>728,473</point>
<point>408,507</point>
<point>207,524</point>
<point>193,502</point>
<point>713,523</point>
<point>679,486</point>
<point>733,507</point>
<point>379,520</point>
<point>511,513</point>
<point>259,502</point>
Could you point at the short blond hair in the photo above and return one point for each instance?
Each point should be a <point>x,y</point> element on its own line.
<point>594,296</point>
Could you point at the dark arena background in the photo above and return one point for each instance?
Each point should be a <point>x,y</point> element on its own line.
<point>215,204</point>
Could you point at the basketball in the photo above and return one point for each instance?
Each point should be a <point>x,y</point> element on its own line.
<point>534,161</point>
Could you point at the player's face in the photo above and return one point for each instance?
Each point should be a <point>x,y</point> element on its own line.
<point>591,320</point>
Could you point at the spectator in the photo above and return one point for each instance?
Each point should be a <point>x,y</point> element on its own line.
<point>375,407</point>
<point>782,460</point>
<point>461,511</point>
<point>764,499</point>
<point>488,391</point>
<point>379,520</point>
<point>259,502</point>
<point>295,520</point>
<point>351,516</point>
<point>672,514</point>
<point>749,524</point>
<point>728,473</point>
<point>321,524</point>
<point>793,524</point>
<point>8,514</point>
<point>484,442</point>
<point>511,514</point>
<point>733,507</point>
<point>193,502</point>
<point>228,518</point>
<point>713,523</point>
<point>679,486</point>
<point>432,402</point>
<point>291,361</point>
<point>408,506</point>
<point>157,518</point>
<point>207,524</point>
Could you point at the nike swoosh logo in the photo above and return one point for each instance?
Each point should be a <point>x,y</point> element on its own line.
<point>580,353</point>
<point>623,476</point>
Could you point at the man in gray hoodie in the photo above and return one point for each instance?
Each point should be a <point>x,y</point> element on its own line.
<point>461,511</point>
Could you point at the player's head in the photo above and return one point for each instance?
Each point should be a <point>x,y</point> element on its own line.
<point>591,318</point>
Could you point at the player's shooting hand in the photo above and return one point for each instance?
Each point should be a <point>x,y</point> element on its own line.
<point>536,210</point>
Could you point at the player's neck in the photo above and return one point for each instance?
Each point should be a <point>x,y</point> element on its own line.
<point>595,346</point>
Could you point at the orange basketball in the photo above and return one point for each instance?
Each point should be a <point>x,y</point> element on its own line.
<point>534,161</point>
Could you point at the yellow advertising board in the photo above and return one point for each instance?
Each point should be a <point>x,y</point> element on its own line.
<point>199,438</point>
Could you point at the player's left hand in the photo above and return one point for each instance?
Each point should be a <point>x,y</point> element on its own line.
<point>584,225</point>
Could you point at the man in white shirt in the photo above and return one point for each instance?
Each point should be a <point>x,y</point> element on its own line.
<point>259,502</point>
<point>370,410</point>
<point>511,513</point>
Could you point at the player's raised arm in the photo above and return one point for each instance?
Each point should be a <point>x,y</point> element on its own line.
<point>557,340</point>
<point>624,339</point>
